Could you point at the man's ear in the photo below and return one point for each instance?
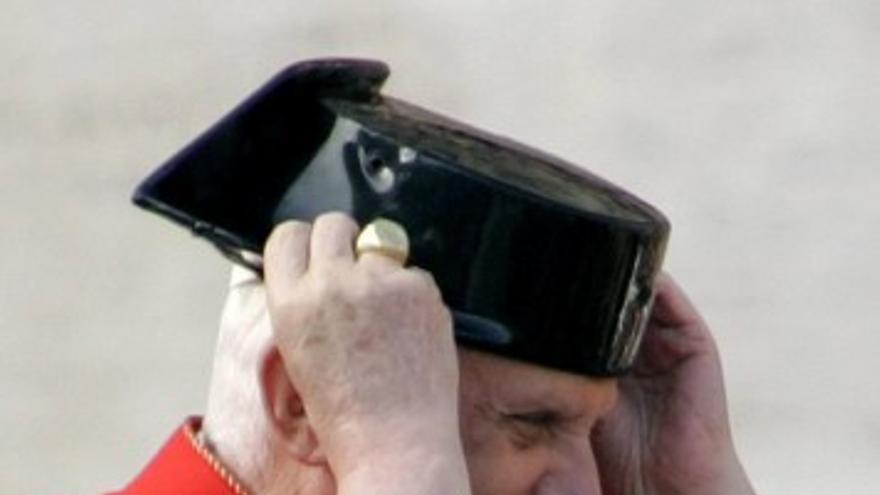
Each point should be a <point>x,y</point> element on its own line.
<point>285,412</point>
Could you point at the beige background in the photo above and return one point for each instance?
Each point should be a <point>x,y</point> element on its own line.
<point>753,124</point>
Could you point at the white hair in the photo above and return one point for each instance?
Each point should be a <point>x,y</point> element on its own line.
<point>235,423</point>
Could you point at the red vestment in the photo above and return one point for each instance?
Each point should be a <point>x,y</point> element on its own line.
<point>183,467</point>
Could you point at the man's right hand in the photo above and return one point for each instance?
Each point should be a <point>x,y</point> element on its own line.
<point>368,344</point>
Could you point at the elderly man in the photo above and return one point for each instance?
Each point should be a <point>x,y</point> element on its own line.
<point>340,376</point>
<point>512,368</point>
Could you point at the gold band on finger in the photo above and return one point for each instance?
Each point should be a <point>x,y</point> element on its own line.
<point>384,237</point>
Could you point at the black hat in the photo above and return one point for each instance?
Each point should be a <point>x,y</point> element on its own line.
<point>539,260</point>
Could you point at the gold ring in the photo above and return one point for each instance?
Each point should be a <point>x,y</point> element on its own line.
<point>385,237</point>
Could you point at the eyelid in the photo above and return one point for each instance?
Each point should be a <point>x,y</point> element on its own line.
<point>549,420</point>
<point>554,412</point>
<point>541,416</point>
<point>530,428</point>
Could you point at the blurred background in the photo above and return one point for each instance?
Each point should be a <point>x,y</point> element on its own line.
<point>753,124</point>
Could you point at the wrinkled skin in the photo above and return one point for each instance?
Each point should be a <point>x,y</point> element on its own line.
<point>526,429</point>
<point>368,345</point>
<point>670,433</point>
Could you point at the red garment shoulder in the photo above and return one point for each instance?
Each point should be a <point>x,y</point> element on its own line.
<point>182,467</point>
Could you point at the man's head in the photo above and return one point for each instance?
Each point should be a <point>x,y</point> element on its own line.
<point>525,429</point>
<point>482,218</point>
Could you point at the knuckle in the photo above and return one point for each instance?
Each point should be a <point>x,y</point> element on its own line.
<point>423,282</point>
<point>444,317</point>
<point>336,219</point>
<point>282,235</point>
<point>424,274</point>
<point>326,289</point>
<point>289,228</point>
<point>404,282</point>
<point>363,289</point>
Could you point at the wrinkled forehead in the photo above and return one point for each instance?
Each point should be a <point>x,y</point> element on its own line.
<point>513,386</point>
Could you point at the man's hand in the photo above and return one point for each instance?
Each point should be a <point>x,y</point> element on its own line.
<point>368,344</point>
<point>670,433</point>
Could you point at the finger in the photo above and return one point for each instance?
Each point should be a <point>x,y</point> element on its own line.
<point>676,328</point>
<point>672,307</point>
<point>333,240</point>
<point>427,278</point>
<point>286,255</point>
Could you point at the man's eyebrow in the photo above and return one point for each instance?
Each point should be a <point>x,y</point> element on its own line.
<point>538,408</point>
